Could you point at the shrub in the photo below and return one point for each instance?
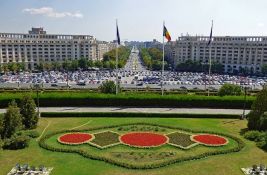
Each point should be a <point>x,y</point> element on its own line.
<point>57,99</point>
<point>29,133</point>
<point>254,135</point>
<point>108,87</point>
<point>230,89</point>
<point>137,115</point>
<point>17,142</point>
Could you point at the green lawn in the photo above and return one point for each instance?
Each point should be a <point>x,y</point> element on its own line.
<point>65,163</point>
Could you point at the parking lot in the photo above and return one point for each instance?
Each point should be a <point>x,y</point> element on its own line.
<point>133,75</point>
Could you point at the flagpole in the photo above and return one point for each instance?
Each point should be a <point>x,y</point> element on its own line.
<point>117,81</point>
<point>210,59</point>
<point>162,73</point>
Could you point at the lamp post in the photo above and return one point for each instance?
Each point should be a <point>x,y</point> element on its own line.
<point>244,106</point>
<point>37,87</point>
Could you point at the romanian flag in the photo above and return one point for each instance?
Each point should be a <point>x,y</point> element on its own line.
<point>166,34</point>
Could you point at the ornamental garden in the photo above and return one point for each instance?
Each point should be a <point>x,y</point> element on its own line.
<point>141,145</point>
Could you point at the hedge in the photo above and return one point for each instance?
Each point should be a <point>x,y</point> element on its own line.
<point>80,99</point>
<point>239,147</point>
<point>136,115</point>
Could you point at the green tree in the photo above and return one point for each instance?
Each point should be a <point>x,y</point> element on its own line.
<point>5,68</point>
<point>66,65</point>
<point>82,63</point>
<point>90,63</point>
<point>56,65</point>
<point>1,128</point>
<point>257,118</point>
<point>74,65</point>
<point>11,121</point>
<point>108,87</point>
<point>264,69</point>
<point>230,89</point>
<point>21,66</point>
<point>47,66</point>
<point>28,112</point>
<point>98,64</point>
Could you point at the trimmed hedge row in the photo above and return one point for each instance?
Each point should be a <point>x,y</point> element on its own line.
<point>239,147</point>
<point>136,115</point>
<point>79,99</point>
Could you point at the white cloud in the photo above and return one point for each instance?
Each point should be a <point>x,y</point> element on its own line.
<point>260,24</point>
<point>50,12</point>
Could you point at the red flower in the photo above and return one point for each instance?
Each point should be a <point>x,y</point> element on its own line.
<point>75,138</point>
<point>210,140</point>
<point>143,139</point>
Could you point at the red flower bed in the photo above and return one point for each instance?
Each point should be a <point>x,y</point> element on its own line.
<point>143,139</point>
<point>75,138</point>
<point>210,140</point>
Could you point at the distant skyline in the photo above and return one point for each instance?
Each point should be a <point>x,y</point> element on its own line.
<point>139,20</point>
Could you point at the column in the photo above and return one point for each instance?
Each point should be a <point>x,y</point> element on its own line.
<point>1,55</point>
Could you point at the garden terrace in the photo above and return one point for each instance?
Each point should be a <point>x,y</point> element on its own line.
<point>73,163</point>
<point>154,142</point>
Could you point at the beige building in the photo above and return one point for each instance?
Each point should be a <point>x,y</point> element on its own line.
<point>235,53</point>
<point>37,46</point>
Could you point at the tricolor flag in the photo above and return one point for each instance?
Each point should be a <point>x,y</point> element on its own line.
<point>166,33</point>
<point>118,35</point>
<point>210,39</point>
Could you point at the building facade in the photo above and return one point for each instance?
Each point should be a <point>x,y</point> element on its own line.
<point>38,47</point>
<point>234,53</point>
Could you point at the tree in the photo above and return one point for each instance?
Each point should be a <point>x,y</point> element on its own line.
<point>11,121</point>
<point>74,65</point>
<point>1,128</point>
<point>230,89</point>
<point>90,63</point>
<point>66,65</point>
<point>82,63</point>
<point>5,68</point>
<point>108,87</point>
<point>56,65</point>
<point>47,66</point>
<point>257,117</point>
<point>28,112</point>
<point>21,66</point>
<point>98,64</point>
<point>264,69</point>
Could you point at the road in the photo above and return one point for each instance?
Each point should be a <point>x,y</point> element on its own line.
<point>141,110</point>
<point>134,63</point>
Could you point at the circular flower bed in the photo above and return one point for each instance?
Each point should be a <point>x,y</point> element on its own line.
<point>143,139</point>
<point>209,139</point>
<point>75,138</point>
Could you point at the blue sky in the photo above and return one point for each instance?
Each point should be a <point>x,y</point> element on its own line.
<point>138,19</point>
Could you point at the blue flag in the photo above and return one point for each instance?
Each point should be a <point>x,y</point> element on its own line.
<point>210,39</point>
<point>118,36</point>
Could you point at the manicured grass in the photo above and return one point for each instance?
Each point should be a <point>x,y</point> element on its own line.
<point>64,163</point>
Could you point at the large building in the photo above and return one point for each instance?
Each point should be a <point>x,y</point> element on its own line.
<point>235,53</point>
<point>37,46</point>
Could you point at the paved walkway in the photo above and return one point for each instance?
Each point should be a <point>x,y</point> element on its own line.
<point>144,110</point>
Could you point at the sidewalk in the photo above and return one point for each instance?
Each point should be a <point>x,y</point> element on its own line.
<point>142,110</point>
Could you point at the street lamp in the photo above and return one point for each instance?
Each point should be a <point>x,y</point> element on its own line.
<point>244,106</point>
<point>37,87</point>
